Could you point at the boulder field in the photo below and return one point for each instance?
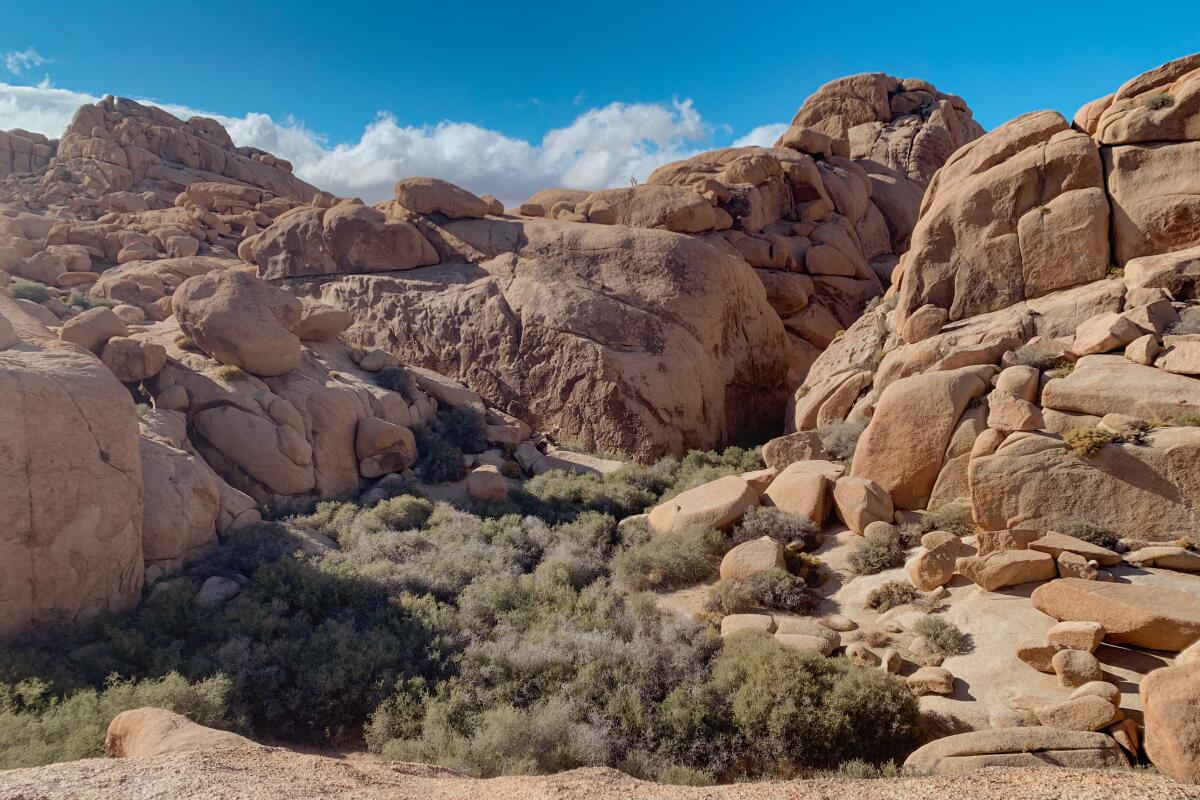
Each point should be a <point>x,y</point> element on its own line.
<point>971,357</point>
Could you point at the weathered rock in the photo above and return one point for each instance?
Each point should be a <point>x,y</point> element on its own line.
<point>1181,355</point>
<point>1076,667</point>
<point>133,360</point>
<point>1052,234</point>
<point>936,566</point>
<point>716,504</point>
<point>903,446</point>
<point>68,430</point>
<point>145,732</point>
<point>1007,568</point>
<point>435,196</point>
<point>1146,616</point>
<point>1087,713</point>
<point>1076,635</point>
<point>91,329</point>
<point>1017,747</point>
<point>798,446</point>
<point>240,320</point>
<point>737,623</point>
<point>180,508</point>
<point>217,591</point>
<point>931,680</point>
<point>806,643</point>
<point>1171,709</point>
<point>1102,689</point>
<point>1056,543</point>
<point>1039,655</point>
<point>320,322</point>
<point>1165,557</point>
<point>861,501</point>
<point>991,541</point>
<point>800,490</point>
<point>750,558</point>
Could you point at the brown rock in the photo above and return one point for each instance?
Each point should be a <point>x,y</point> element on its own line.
<point>716,504</point>
<point>92,328</point>
<point>1076,635</point>
<point>936,566</point>
<point>145,732</point>
<point>799,446</point>
<point>1017,747</point>
<point>1087,713</point>
<point>1171,708</point>
<point>1007,568</point>
<point>991,541</point>
<point>861,501</point>
<point>931,680</point>
<point>435,196</point>
<point>737,623</point>
<point>750,558</point>
<point>133,360</point>
<point>1145,616</point>
<point>1056,543</point>
<point>800,490</point>
<point>1038,655</point>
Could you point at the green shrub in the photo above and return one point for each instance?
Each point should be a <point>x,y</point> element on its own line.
<point>942,635</point>
<point>465,427</point>
<point>1088,442</point>
<point>1062,370</point>
<point>800,711</point>
<point>86,301</point>
<point>1158,100</point>
<point>37,727</point>
<point>841,438</point>
<point>397,379</point>
<point>1186,419</point>
<point>439,460</point>
<point>686,776</point>
<point>856,770</point>
<point>34,292</point>
<point>871,556</point>
<point>790,530</point>
<point>891,595</point>
<point>1089,531</point>
<point>955,518</point>
<point>671,559</point>
<point>231,372</point>
<point>1037,356</point>
<point>731,596</point>
<point>560,495</point>
<point>781,591</point>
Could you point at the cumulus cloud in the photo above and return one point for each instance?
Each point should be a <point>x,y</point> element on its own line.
<point>762,136</point>
<point>17,61</point>
<point>602,147</point>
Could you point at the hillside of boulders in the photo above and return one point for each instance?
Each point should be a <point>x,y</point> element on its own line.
<point>871,453</point>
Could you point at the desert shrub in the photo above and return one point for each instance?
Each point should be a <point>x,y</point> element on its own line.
<point>1062,370</point>
<point>686,776</point>
<point>1186,419</point>
<point>806,566</point>
<point>21,289</point>
<point>86,301</point>
<point>800,711</point>
<point>942,635</point>
<point>465,427</point>
<point>794,530</point>
<point>671,559</point>
<point>891,595</point>
<point>953,518</point>
<point>559,495</point>
<point>876,638</point>
<point>782,591</point>
<point>1188,322</point>
<point>38,727</point>
<point>1158,100</point>
<point>730,596</point>
<point>840,438</point>
<point>1088,442</point>
<point>1089,531</point>
<point>699,467</point>
<point>871,556</point>
<point>397,379</point>
<point>231,372</point>
<point>1037,356</point>
<point>439,460</point>
<point>185,343</point>
<point>856,770</point>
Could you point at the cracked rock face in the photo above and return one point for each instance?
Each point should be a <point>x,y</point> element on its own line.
<point>70,489</point>
<point>627,339</point>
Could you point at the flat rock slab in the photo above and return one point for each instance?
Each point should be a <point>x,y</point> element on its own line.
<point>1157,618</point>
<point>1017,747</point>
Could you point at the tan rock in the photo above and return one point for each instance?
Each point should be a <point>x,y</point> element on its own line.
<point>1007,413</point>
<point>1145,616</point>
<point>435,196</point>
<point>1102,689</point>
<point>1076,635</point>
<point>1171,709</point>
<point>145,732</point>
<point>936,566</point>
<point>1073,565</point>
<point>930,680</point>
<point>716,504</point>
<point>1143,350</point>
<point>737,623</point>
<point>861,501</point>
<point>1103,333</point>
<point>862,656</point>
<point>1019,381</point>
<point>1017,747</point>
<point>671,208</point>
<point>92,328</point>
<point>486,484</point>
<point>991,541</point>
<point>1038,655</point>
<point>903,446</point>
<point>1007,568</point>
<point>133,360</point>
<point>750,558</point>
<point>926,321</point>
<point>1087,713</point>
<point>240,320</point>
<point>320,322</point>
<point>799,446</point>
<point>1181,355</point>
<point>1055,543</point>
<point>805,643</point>
<point>181,503</point>
<point>799,490</point>
<point>68,430</point>
<point>1165,557</point>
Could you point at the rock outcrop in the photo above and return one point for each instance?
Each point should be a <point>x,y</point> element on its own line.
<point>145,732</point>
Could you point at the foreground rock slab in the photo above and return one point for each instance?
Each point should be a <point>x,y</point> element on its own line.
<point>1017,747</point>
<point>1146,616</point>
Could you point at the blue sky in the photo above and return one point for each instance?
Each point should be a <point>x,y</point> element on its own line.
<point>524,69</point>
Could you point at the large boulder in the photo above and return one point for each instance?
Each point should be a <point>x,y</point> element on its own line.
<point>903,447</point>
<point>1112,384</point>
<point>1034,481</point>
<point>1017,747</point>
<point>903,123</point>
<point>626,339</point>
<point>716,504</point>
<point>70,490</point>
<point>1015,214</point>
<point>1171,713</point>
<point>144,732</point>
<point>1146,616</point>
<point>181,505</point>
<point>240,320</point>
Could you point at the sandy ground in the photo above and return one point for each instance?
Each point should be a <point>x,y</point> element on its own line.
<point>277,774</point>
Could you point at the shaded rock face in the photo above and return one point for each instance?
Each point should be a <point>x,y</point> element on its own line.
<point>1014,215</point>
<point>627,339</point>
<point>70,490</point>
<point>23,151</point>
<point>905,124</point>
<point>120,145</point>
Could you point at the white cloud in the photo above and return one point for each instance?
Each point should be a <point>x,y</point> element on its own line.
<point>602,147</point>
<point>17,61</point>
<point>762,136</point>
